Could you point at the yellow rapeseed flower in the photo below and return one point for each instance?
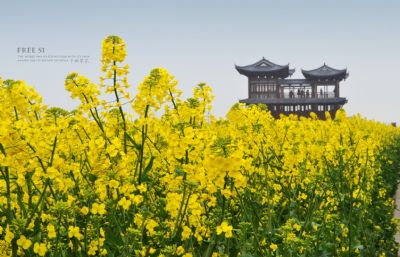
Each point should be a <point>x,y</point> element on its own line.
<point>98,209</point>
<point>273,247</point>
<point>74,232</point>
<point>225,228</point>
<point>24,242</point>
<point>40,249</point>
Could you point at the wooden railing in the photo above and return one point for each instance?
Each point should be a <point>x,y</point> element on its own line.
<point>308,95</point>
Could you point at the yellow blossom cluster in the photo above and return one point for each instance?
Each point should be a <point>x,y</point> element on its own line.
<point>159,175</point>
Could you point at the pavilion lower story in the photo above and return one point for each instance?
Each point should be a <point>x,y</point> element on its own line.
<point>300,107</point>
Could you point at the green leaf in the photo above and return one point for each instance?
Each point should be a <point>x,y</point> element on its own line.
<point>148,168</point>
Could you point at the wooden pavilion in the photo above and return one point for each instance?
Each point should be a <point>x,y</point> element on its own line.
<point>317,92</point>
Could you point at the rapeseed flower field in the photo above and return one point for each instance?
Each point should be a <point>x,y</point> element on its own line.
<point>159,175</point>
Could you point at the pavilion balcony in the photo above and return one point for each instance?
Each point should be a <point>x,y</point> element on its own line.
<point>326,95</point>
<point>288,95</point>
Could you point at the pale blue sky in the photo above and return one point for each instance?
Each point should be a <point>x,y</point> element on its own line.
<point>200,41</point>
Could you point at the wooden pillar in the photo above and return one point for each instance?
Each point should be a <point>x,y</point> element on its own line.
<point>337,92</point>
<point>249,85</point>
<point>277,90</point>
<point>313,91</point>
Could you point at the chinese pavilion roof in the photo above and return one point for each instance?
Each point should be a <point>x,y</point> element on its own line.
<point>325,72</point>
<point>265,67</point>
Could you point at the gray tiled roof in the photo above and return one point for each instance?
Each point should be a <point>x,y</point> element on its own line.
<point>264,66</point>
<point>325,72</point>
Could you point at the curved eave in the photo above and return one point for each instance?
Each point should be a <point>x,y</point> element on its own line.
<point>264,67</point>
<point>325,72</point>
<point>282,71</point>
<point>326,76</point>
